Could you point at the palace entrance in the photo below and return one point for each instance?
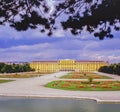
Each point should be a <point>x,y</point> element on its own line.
<point>66,70</point>
<point>67,65</point>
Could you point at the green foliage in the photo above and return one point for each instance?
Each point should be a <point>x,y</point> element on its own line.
<point>84,76</point>
<point>13,68</point>
<point>4,81</point>
<point>90,79</point>
<point>112,69</point>
<point>85,86</point>
<point>98,17</point>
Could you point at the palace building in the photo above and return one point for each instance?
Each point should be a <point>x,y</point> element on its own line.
<point>67,65</point>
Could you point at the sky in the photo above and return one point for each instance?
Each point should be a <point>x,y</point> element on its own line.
<point>31,45</point>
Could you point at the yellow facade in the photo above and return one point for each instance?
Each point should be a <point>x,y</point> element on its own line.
<point>67,65</point>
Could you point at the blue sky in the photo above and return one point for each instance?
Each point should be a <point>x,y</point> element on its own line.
<point>32,45</point>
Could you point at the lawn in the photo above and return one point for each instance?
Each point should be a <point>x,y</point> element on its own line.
<point>4,81</point>
<point>85,85</point>
<point>22,75</point>
<point>78,75</point>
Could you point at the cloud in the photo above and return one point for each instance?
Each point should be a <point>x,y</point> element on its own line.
<point>23,53</point>
<point>92,46</point>
<point>26,47</point>
<point>51,5</point>
<point>114,59</point>
<point>7,32</point>
<point>59,33</point>
<point>111,59</point>
<point>32,45</point>
<point>65,48</point>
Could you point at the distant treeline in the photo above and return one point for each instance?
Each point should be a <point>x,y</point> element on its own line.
<point>14,68</point>
<point>112,69</point>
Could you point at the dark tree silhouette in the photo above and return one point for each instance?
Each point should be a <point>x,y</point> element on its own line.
<point>95,16</point>
<point>112,69</point>
<point>99,17</point>
<point>14,68</point>
<point>23,14</point>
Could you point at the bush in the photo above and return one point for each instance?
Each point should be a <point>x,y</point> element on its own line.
<point>13,68</point>
<point>112,69</point>
<point>90,79</point>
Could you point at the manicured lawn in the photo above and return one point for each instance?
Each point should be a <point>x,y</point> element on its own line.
<point>18,76</point>
<point>45,72</point>
<point>23,75</point>
<point>85,86</point>
<point>4,81</point>
<point>78,75</point>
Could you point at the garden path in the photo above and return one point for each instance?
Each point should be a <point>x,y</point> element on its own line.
<point>34,87</point>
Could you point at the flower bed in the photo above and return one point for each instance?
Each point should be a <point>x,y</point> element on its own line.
<point>86,86</point>
<point>78,75</point>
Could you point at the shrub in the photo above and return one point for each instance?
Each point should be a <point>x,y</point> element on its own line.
<point>85,74</point>
<point>90,79</point>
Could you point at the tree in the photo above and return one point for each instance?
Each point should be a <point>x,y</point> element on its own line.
<point>13,68</point>
<point>112,69</point>
<point>26,67</point>
<point>1,66</point>
<point>98,17</point>
<point>23,14</point>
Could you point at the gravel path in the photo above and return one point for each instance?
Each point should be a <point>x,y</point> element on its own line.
<point>116,77</point>
<point>34,87</point>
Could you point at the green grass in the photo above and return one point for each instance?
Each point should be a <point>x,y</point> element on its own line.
<point>17,76</point>
<point>75,75</point>
<point>85,86</point>
<point>4,81</point>
<point>23,75</point>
